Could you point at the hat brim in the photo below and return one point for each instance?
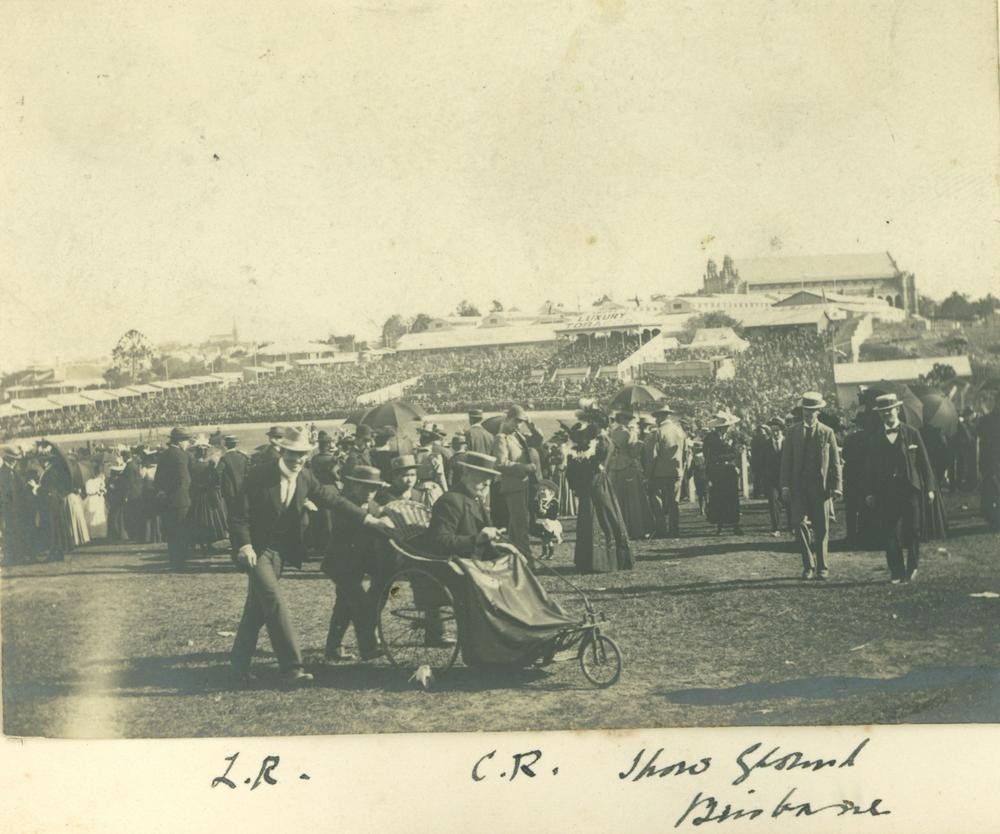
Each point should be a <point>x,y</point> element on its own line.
<point>485,469</point>
<point>812,406</point>
<point>302,446</point>
<point>896,404</point>
<point>365,481</point>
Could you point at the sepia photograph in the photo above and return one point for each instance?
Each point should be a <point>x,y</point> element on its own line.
<point>419,367</point>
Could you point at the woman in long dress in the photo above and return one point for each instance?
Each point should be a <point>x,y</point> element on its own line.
<point>95,507</point>
<point>207,515</point>
<point>625,473</point>
<point>722,468</point>
<point>602,543</point>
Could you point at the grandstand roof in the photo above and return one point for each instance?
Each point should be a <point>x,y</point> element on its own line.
<point>64,400</point>
<point>807,297</point>
<point>816,268</point>
<point>34,404</point>
<point>612,320</point>
<point>850,373</point>
<point>783,316</point>
<point>514,334</point>
<point>289,347</point>
<point>100,395</point>
<point>144,388</point>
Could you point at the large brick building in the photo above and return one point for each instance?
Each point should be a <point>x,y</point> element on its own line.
<point>872,275</point>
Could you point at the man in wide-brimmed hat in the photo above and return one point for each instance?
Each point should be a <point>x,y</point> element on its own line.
<point>898,475</point>
<point>350,557</point>
<point>664,452</point>
<point>811,478</point>
<point>173,483</point>
<point>519,464</point>
<point>266,532</point>
<point>460,520</point>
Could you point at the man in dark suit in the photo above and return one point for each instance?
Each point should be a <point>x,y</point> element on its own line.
<point>768,469</point>
<point>131,489</point>
<point>266,532</point>
<point>477,436</point>
<point>811,478</point>
<point>268,453</point>
<point>460,519</point>
<point>173,485</point>
<point>232,470</point>
<point>988,428</point>
<point>361,453</point>
<point>16,508</point>
<point>898,474</point>
<point>351,555</point>
<point>520,469</point>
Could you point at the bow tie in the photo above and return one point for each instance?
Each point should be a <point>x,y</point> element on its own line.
<point>892,431</point>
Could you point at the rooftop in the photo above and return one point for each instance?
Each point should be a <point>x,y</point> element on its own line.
<point>816,268</point>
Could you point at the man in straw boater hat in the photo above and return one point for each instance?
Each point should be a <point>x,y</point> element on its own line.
<point>811,478</point>
<point>460,520</point>
<point>266,532</point>
<point>519,465</point>
<point>350,556</point>
<point>663,456</point>
<point>173,485</point>
<point>897,475</point>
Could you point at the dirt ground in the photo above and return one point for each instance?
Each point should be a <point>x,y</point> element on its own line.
<point>715,630</point>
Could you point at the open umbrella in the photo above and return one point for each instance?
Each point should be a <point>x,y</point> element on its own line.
<point>913,409</point>
<point>354,417</point>
<point>492,424</point>
<point>395,413</point>
<point>940,412</point>
<point>632,396</point>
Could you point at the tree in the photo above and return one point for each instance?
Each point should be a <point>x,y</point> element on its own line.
<point>496,306</point>
<point>467,308</point>
<point>132,353</point>
<point>420,323</point>
<point>927,307</point>
<point>393,328</point>
<point>713,319</point>
<point>985,305</point>
<point>956,306</point>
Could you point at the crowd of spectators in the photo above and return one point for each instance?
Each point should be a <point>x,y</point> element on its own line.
<point>767,374</point>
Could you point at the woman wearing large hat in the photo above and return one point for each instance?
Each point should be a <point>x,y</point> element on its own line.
<point>602,543</point>
<point>722,468</point>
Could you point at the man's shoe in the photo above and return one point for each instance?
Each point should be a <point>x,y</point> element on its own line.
<point>373,655</point>
<point>912,575</point>
<point>823,574</point>
<point>895,580</point>
<point>776,534</point>
<point>296,678</point>
<point>808,573</point>
<point>339,656</point>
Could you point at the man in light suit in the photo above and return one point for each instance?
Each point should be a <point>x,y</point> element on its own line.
<point>519,466</point>
<point>664,458</point>
<point>810,477</point>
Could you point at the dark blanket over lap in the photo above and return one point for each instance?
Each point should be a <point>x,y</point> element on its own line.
<point>505,616</point>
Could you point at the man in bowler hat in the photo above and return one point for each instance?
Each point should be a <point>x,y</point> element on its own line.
<point>173,485</point>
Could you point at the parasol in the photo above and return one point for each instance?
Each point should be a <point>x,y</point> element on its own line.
<point>635,395</point>
<point>354,417</point>
<point>395,413</point>
<point>492,424</point>
<point>940,412</point>
<point>913,409</point>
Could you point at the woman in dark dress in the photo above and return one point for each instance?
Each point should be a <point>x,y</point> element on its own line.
<point>207,515</point>
<point>722,468</point>
<point>602,543</point>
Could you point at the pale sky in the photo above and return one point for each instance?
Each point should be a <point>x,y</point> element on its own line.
<point>382,157</point>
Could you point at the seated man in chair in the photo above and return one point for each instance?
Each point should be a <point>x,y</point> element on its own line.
<point>460,520</point>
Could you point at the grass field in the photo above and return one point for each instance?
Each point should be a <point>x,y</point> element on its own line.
<point>715,630</point>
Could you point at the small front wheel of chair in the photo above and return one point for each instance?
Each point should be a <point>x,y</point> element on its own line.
<point>600,660</point>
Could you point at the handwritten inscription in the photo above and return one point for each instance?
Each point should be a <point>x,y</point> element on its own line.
<point>265,774</point>
<point>520,763</point>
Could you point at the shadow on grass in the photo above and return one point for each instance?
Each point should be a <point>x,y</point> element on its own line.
<point>783,583</point>
<point>839,688</point>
